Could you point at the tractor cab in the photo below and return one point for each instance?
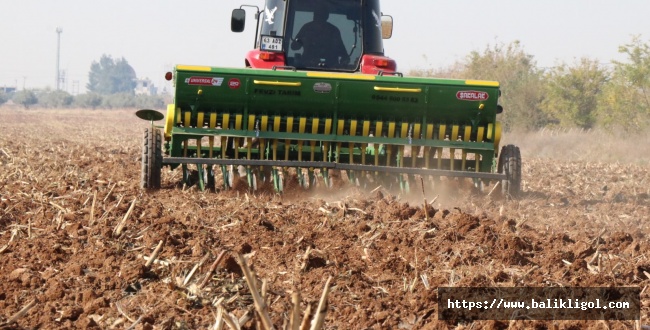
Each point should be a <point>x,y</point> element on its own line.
<point>319,35</point>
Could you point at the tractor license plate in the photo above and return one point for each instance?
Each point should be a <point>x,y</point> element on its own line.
<point>272,44</point>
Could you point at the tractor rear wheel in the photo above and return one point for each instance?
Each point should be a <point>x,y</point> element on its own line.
<point>151,159</point>
<point>510,165</point>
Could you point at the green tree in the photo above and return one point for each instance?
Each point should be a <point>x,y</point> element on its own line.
<point>88,100</point>
<point>26,98</point>
<point>626,100</point>
<point>110,76</point>
<point>3,97</point>
<point>55,99</point>
<point>119,101</point>
<point>572,93</point>
<point>521,83</point>
<point>519,78</point>
<point>149,102</point>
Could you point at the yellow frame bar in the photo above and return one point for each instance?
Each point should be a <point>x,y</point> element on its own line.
<point>194,68</point>
<point>482,83</point>
<point>277,83</point>
<point>398,89</point>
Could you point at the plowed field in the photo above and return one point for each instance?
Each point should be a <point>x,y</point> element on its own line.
<point>76,232</point>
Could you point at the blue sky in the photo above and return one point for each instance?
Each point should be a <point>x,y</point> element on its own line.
<point>153,36</point>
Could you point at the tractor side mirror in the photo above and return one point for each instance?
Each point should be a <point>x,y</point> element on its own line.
<point>386,26</point>
<point>238,20</point>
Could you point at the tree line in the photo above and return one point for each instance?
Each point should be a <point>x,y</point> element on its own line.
<point>585,94</point>
<point>111,84</point>
<point>58,99</point>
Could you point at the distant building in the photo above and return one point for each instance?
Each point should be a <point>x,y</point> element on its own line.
<point>145,87</point>
<point>8,90</point>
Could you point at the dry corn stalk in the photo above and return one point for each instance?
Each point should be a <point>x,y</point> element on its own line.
<point>260,305</point>
<point>212,268</point>
<point>304,325</point>
<point>319,318</point>
<point>294,321</point>
<point>21,312</point>
<point>155,253</point>
<point>191,273</point>
<point>118,230</point>
<point>11,239</point>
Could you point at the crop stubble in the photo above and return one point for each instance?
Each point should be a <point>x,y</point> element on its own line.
<point>77,237</point>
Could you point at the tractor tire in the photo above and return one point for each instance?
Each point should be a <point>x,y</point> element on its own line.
<point>510,165</point>
<point>151,159</point>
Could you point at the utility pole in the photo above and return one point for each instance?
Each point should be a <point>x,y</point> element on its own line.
<point>58,57</point>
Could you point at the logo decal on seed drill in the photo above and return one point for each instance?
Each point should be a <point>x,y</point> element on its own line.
<point>234,83</point>
<point>204,81</point>
<point>472,96</point>
<point>322,87</point>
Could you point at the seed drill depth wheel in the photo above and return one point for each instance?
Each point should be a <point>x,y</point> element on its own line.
<point>510,165</point>
<point>151,159</point>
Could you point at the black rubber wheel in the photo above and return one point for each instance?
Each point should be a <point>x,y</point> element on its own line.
<point>510,165</point>
<point>151,159</point>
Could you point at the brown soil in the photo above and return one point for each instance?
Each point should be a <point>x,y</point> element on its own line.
<point>69,178</point>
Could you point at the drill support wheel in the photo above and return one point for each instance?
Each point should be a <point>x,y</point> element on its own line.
<point>510,165</point>
<point>151,159</point>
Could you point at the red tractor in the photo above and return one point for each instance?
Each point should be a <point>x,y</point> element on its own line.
<point>319,35</point>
